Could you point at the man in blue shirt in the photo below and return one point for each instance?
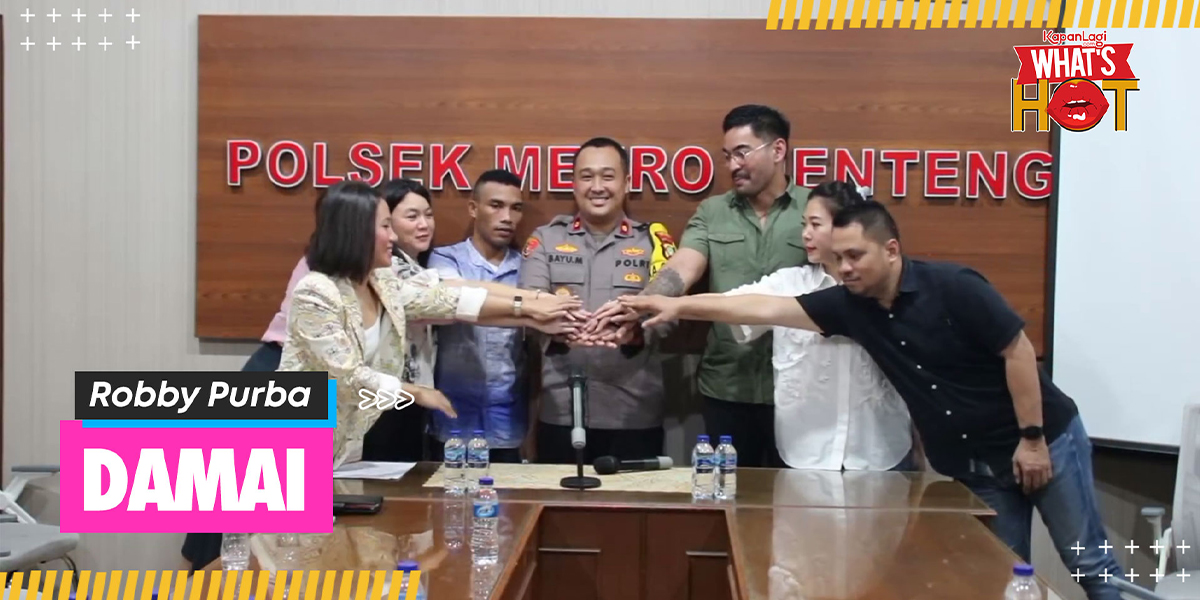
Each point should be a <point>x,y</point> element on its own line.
<point>481,370</point>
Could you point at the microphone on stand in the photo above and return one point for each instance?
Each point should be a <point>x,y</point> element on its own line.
<point>578,382</point>
<point>607,465</point>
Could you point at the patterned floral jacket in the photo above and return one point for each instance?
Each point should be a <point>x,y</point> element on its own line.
<point>325,333</point>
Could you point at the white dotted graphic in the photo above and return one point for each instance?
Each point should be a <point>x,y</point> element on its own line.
<point>55,23</point>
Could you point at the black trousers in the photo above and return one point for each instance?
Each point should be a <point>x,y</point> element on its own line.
<point>397,436</point>
<point>554,444</point>
<point>752,427</point>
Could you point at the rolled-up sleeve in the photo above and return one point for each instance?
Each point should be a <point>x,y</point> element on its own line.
<point>695,233</point>
<point>827,309</point>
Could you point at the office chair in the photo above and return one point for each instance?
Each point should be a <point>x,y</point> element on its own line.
<point>25,543</point>
<point>1185,523</point>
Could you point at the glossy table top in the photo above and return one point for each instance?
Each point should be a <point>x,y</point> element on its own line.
<point>794,553</point>
<point>436,533</point>
<point>793,534</point>
<point>756,488</point>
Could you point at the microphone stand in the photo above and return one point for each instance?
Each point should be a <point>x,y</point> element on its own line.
<point>578,434</point>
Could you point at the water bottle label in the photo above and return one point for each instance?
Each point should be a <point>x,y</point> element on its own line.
<point>485,510</point>
<point>704,462</point>
<point>454,454</point>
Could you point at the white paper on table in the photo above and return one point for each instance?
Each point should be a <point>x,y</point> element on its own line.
<point>373,470</point>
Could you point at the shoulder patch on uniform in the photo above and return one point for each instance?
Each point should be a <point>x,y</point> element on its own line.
<point>530,245</point>
<point>664,247</point>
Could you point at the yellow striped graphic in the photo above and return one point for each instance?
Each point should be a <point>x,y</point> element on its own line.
<point>922,14</point>
<point>222,585</point>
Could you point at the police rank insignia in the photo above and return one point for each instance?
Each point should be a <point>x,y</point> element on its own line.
<point>633,278</point>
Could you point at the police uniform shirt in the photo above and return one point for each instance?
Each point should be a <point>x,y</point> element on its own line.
<point>625,389</point>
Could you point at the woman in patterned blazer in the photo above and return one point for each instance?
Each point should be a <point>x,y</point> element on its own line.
<point>347,317</point>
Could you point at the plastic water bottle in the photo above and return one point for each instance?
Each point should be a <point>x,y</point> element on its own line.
<point>702,469</point>
<point>1023,585</point>
<point>454,460</point>
<point>405,570</point>
<point>235,551</point>
<point>485,524</point>
<point>454,523</point>
<point>478,457</point>
<point>725,482</point>
<point>289,560</point>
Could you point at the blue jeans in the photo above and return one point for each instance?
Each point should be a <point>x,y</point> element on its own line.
<point>1067,505</point>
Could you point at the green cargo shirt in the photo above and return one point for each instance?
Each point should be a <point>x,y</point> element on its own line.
<point>725,230</point>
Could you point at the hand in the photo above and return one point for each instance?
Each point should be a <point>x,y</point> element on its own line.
<point>433,400</point>
<point>546,307</point>
<point>1031,464</point>
<point>557,327</point>
<point>664,308</point>
<point>612,312</point>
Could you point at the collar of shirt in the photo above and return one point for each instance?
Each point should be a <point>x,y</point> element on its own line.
<point>404,265</point>
<point>908,278</point>
<point>623,230</point>
<point>511,262</point>
<point>784,199</point>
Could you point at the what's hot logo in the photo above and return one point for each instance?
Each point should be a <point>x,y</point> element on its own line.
<point>1073,82</point>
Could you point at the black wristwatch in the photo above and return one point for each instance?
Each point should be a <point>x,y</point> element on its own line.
<point>1033,432</point>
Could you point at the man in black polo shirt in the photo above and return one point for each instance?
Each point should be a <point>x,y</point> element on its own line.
<point>958,354</point>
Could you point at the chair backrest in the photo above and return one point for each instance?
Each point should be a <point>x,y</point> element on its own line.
<point>1185,518</point>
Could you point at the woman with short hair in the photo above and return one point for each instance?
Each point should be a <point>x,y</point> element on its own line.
<point>348,317</point>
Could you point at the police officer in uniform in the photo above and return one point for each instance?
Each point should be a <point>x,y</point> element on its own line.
<point>599,254</point>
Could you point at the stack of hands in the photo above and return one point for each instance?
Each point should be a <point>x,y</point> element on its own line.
<point>612,325</point>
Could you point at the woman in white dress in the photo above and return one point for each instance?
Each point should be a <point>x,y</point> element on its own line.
<point>834,409</point>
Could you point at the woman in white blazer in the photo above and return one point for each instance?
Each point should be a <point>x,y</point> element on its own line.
<point>347,317</point>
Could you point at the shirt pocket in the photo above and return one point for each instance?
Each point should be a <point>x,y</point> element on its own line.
<point>793,254</point>
<point>630,275</point>
<point>569,276</point>
<point>729,251</point>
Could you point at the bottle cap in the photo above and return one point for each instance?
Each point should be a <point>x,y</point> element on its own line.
<point>485,481</point>
<point>727,439</point>
<point>455,432</point>
<point>408,565</point>
<point>1023,570</point>
<point>702,438</point>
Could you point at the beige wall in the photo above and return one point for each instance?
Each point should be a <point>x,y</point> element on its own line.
<point>99,221</point>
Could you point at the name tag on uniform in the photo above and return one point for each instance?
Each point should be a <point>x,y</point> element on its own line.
<point>564,259</point>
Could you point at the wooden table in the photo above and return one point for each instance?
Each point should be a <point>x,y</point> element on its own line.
<point>789,535</point>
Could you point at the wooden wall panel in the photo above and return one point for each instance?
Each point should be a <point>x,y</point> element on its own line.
<point>519,81</point>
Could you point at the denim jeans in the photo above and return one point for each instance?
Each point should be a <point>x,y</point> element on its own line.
<point>1067,505</point>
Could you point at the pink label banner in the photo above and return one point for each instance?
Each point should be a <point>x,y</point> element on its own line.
<point>196,480</point>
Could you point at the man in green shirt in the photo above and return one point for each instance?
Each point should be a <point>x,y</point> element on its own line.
<point>737,238</point>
